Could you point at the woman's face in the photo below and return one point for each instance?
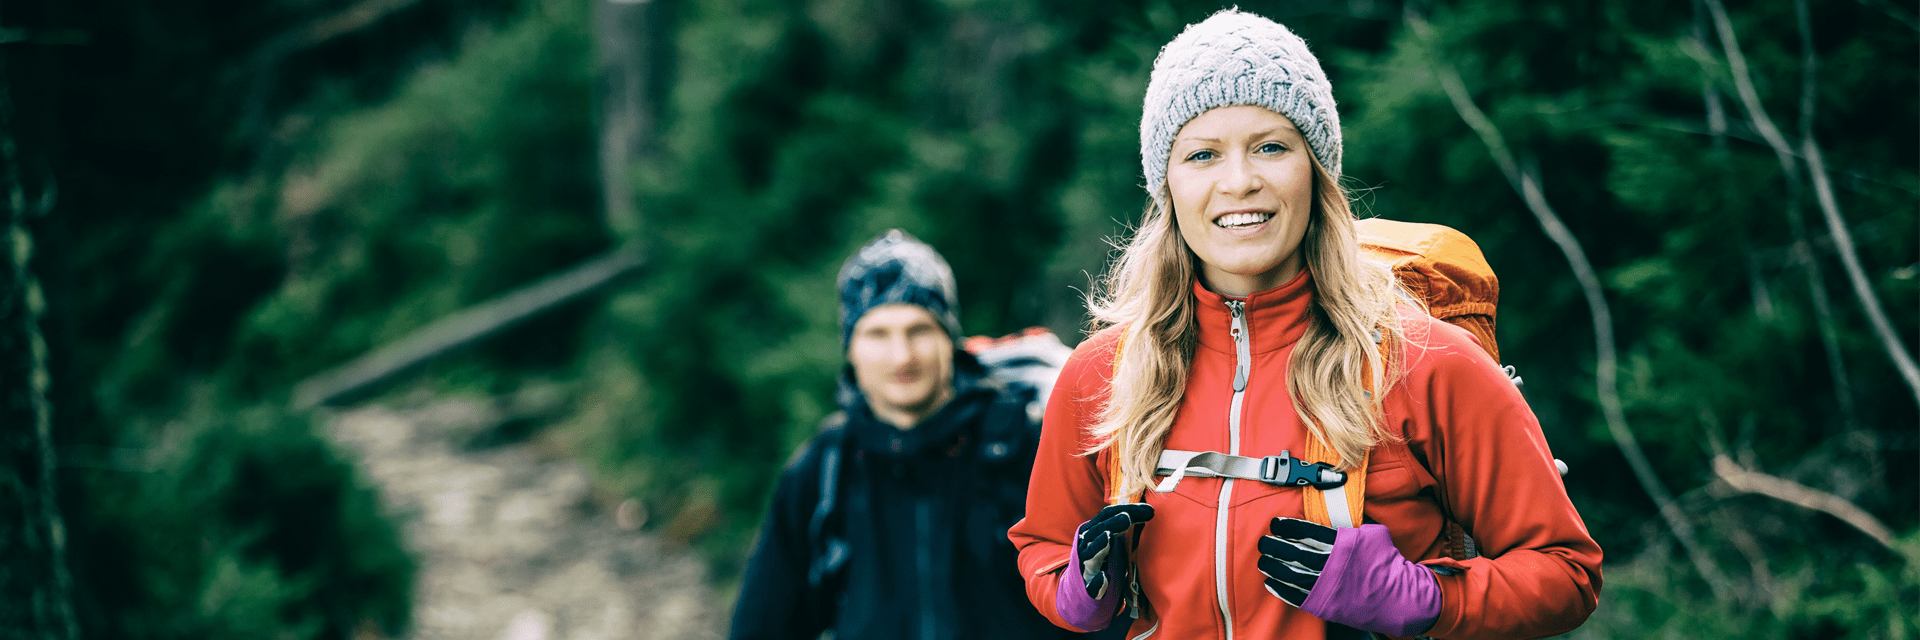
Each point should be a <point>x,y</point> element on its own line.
<point>1242,185</point>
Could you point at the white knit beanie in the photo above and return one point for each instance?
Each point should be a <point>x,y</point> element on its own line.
<point>1236,58</point>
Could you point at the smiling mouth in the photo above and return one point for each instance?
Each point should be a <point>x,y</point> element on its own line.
<point>1243,220</point>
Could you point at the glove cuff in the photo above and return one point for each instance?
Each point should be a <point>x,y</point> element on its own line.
<point>1368,585</point>
<point>1073,604</point>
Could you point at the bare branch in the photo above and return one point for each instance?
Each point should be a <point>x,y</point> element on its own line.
<point>1743,86</point>
<point>1856,274</point>
<point>263,63</point>
<point>354,18</point>
<point>1823,191</point>
<point>1896,13</point>
<point>1527,184</point>
<point>1751,481</point>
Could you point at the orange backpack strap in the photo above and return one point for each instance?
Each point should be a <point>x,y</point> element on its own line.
<point>1441,267</point>
<point>1113,462</point>
<point>1342,506</point>
<point>1338,507</point>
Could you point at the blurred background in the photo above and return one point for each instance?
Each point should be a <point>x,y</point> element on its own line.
<point>498,318</point>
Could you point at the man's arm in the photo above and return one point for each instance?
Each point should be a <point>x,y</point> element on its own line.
<point>776,603</point>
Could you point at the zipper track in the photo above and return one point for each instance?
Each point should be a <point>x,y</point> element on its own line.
<point>924,515</point>
<point>1242,369</point>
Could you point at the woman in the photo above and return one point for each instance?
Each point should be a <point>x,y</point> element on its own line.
<point>1243,333</point>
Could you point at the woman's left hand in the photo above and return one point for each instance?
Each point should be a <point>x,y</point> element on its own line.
<point>1353,577</point>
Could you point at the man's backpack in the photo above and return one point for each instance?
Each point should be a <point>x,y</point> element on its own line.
<point>1023,364</point>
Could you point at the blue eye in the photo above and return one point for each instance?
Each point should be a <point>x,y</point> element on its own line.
<point>1202,155</point>
<point>1272,147</point>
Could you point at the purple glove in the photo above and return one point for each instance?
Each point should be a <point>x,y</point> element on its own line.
<point>1353,577</point>
<point>1096,572</point>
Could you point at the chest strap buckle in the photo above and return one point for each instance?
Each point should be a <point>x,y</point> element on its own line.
<point>1282,470</point>
<point>1288,470</point>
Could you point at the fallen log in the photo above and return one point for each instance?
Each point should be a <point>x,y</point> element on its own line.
<point>462,328</point>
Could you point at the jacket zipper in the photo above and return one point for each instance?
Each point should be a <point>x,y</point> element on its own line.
<point>924,515</point>
<point>1242,369</point>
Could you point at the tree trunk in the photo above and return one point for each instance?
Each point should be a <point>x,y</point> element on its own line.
<point>627,34</point>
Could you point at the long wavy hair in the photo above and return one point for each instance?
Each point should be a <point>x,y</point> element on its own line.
<point>1148,292</point>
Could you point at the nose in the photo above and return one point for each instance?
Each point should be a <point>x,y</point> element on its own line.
<point>900,350</point>
<point>1239,179</point>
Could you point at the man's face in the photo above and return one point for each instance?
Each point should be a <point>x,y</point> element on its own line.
<point>903,361</point>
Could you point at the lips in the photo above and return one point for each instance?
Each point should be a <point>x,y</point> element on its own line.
<point>1234,220</point>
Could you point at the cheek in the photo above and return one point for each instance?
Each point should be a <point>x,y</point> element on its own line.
<point>863,356</point>
<point>937,353</point>
<point>1298,178</point>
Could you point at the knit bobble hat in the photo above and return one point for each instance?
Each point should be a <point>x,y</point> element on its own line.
<point>897,268</point>
<point>1236,58</point>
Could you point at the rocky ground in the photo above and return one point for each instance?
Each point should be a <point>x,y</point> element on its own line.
<point>511,543</point>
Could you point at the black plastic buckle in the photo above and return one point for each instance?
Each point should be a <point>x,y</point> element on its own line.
<point>1284,469</point>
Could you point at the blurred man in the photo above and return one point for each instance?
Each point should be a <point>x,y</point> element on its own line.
<point>892,523</point>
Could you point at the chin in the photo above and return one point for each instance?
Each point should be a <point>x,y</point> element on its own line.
<point>1252,269</point>
<point>911,400</point>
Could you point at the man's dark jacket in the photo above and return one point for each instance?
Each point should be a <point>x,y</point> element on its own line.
<point>924,513</point>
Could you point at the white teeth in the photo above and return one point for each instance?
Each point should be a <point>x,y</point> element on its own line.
<point>1235,220</point>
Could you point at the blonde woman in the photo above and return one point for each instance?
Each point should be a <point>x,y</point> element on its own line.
<point>1244,332</point>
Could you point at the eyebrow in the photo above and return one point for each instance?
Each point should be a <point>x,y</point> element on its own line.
<point>1262,134</point>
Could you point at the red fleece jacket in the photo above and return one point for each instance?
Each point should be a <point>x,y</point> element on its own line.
<point>1471,449</point>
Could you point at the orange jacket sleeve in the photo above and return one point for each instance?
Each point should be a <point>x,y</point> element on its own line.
<point>1539,572</point>
<point>1066,488</point>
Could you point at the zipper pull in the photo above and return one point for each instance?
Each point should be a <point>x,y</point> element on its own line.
<point>1242,358</point>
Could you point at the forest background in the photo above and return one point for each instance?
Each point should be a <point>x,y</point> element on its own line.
<point>1705,218</point>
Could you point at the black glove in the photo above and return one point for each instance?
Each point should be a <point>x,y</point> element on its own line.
<point>1096,541</point>
<point>1293,557</point>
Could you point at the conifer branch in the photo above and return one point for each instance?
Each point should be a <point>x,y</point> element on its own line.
<point>1526,183</point>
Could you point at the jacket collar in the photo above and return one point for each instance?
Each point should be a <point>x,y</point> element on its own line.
<point>973,391</point>
<point>1276,317</point>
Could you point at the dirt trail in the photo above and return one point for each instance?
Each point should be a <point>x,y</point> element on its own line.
<point>509,544</point>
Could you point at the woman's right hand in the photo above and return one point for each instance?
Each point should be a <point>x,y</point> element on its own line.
<point>1096,545</point>
<point>1084,599</point>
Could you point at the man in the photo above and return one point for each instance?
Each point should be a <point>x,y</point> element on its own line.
<point>892,523</point>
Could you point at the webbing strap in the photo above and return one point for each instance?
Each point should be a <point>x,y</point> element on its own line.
<point>1331,506</point>
<point>1283,469</point>
<point>1339,513</point>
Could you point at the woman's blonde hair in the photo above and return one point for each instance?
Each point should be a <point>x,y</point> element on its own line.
<point>1148,292</point>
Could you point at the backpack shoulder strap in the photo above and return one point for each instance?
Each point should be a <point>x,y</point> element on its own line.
<point>826,535</point>
<point>1010,425</point>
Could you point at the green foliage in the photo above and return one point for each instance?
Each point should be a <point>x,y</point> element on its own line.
<point>236,522</point>
<point>1650,597</point>
<point>190,295</point>
<point>475,178</point>
<point>1005,134</point>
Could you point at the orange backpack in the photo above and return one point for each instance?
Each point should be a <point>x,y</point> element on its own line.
<point>1443,268</point>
